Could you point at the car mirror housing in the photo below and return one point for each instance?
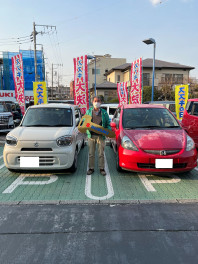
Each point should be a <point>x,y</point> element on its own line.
<point>113,125</point>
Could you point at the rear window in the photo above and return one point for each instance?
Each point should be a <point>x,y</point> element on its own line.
<point>112,110</point>
<point>104,107</point>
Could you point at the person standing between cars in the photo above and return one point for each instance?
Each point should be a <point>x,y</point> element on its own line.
<point>99,117</point>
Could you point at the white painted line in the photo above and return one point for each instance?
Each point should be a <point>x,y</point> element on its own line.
<point>108,182</point>
<point>1,166</point>
<point>148,184</point>
<point>20,181</point>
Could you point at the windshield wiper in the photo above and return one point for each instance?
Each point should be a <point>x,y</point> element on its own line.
<point>171,127</point>
<point>38,126</point>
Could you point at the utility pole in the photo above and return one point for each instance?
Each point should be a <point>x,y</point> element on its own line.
<point>52,82</point>
<point>35,58</point>
<point>34,33</point>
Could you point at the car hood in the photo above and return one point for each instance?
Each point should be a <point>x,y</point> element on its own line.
<point>40,133</point>
<point>157,139</point>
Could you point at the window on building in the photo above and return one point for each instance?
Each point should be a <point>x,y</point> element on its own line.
<point>97,71</point>
<point>174,78</point>
<point>118,78</point>
<point>178,78</point>
<point>146,78</point>
<point>109,79</point>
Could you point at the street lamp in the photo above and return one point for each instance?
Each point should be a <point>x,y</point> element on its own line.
<point>148,42</point>
<point>90,57</point>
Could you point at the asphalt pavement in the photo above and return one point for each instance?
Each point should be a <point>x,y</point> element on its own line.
<point>138,233</point>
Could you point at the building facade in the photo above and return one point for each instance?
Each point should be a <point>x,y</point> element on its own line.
<point>166,73</point>
<point>104,63</point>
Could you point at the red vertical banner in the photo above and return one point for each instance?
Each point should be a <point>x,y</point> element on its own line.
<point>81,97</point>
<point>17,70</point>
<point>136,82</point>
<point>122,93</point>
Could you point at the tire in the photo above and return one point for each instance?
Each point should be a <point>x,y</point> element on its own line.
<point>117,163</point>
<point>74,165</point>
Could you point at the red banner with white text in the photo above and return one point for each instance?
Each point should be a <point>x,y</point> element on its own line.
<point>81,96</point>
<point>136,82</point>
<point>122,93</point>
<point>17,70</point>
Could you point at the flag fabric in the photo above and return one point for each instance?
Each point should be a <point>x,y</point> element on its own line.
<point>40,93</point>
<point>18,76</point>
<point>81,96</point>
<point>181,98</point>
<point>122,93</point>
<point>136,82</point>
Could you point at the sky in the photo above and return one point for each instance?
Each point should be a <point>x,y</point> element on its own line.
<point>98,27</point>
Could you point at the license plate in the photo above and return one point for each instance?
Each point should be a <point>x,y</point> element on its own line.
<point>164,163</point>
<point>29,162</point>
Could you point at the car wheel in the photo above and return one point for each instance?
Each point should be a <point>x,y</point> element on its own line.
<point>74,165</point>
<point>117,163</point>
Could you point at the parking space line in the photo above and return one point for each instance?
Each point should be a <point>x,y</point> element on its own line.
<point>148,184</point>
<point>108,182</point>
<point>20,181</point>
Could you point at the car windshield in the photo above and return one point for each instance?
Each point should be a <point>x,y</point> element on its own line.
<point>3,108</point>
<point>148,118</point>
<point>48,117</point>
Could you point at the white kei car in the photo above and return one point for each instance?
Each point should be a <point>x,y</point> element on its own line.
<point>46,139</point>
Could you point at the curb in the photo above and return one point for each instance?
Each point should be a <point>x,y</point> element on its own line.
<point>99,202</point>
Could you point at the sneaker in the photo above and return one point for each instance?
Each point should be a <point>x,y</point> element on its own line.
<point>90,171</point>
<point>102,171</point>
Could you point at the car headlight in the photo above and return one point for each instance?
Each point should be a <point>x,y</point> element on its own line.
<point>64,141</point>
<point>11,141</point>
<point>128,144</point>
<point>189,144</point>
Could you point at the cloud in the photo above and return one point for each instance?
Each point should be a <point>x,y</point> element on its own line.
<point>155,2</point>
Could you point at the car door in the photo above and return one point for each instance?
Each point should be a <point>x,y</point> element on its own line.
<point>193,124</point>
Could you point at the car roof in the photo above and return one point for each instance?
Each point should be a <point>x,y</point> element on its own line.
<point>191,100</point>
<point>116,105</point>
<point>53,105</point>
<point>142,106</point>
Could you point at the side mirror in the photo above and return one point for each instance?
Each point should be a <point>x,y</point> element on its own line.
<point>113,125</point>
<point>77,121</point>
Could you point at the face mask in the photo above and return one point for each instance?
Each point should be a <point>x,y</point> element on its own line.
<point>96,105</point>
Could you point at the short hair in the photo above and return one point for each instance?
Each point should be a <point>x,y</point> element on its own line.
<point>97,97</point>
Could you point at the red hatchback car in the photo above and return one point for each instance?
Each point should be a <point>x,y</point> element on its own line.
<point>150,139</point>
<point>190,119</point>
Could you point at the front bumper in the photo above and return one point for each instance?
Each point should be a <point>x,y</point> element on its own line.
<point>52,157</point>
<point>141,161</point>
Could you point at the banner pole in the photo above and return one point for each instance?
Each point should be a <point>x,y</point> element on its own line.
<point>142,82</point>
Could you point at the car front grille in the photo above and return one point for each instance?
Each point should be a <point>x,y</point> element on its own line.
<point>152,165</point>
<point>158,152</point>
<point>3,127</point>
<point>43,161</point>
<point>4,119</point>
<point>36,149</point>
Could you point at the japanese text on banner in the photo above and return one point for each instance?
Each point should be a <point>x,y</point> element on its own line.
<point>40,93</point>
<point>17,70</point>
<point>136,82</point>
<point>81,97</point>
<point>122,93</point>
<point>181,98</point>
